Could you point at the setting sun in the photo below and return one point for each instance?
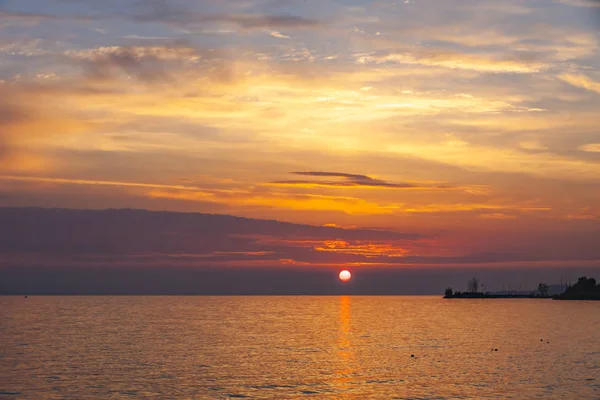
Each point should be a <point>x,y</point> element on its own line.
<point>345,275</point>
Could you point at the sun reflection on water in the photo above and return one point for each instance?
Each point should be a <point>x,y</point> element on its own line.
<point>346,355</point>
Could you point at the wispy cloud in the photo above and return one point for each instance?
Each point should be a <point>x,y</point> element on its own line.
<point>87,182</point>
<point>455,60</point>
<point>581,81</point>
<point>138,37</point>
<point>355,180</point>
<point>279,35</point>
<point>591,147</point>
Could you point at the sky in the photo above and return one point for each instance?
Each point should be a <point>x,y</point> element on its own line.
<point>405,133</point>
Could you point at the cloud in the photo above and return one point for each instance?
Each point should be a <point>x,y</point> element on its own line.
<point>516,63</point>
<point>591,147</point>
<point>197,190</point>
<point>244,198</point>
<point>586,213</point>
<point>581,3</point>
<point>498,215</point>
<point>279,35</point>
<point>276,200</point>
<point>138,37</point>
<point>150,235</point>
<point>162,12</point>
<point>159,11</point>
<point>22,47</point>
<point>138,237</point>
<point>532,145</point>
<point>355,180</point>
<point>32,18</point>
<point>257,21</point>
<point>582,81</point>
<point>146,63</point>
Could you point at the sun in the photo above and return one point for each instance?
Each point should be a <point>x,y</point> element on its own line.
<point>345,275</point>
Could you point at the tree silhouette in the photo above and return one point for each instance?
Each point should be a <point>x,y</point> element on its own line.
<point>584,289</point>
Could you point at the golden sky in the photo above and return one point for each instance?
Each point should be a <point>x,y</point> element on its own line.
<point>474,124</point>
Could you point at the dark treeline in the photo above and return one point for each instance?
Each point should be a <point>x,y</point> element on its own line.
<point>584,289</point>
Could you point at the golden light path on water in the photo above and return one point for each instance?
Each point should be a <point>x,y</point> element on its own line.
<point>345,353</point>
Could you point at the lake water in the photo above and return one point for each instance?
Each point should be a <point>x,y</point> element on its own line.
<point>298,347</point>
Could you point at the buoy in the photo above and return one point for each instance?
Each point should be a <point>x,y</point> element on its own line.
<point>541,340</point>
<point>496,350</point>
<point>412,355</point>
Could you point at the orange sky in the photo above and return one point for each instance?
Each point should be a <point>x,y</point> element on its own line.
<point>471,123</point>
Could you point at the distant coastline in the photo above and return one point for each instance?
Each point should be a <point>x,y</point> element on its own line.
<point>584,289</point>
<point>481,295</point>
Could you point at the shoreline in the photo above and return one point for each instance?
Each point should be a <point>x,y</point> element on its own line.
<point>520,296</point>
<point>494,296</point>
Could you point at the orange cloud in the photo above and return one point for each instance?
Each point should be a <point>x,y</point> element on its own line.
<point>366,249</point>
<point>347,205</point>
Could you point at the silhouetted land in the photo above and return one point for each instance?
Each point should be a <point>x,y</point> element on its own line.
<point>481,295</point>
<point>584,289</point>
<point>472,293</point>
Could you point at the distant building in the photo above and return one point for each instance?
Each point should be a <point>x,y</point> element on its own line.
<point>473,286</point>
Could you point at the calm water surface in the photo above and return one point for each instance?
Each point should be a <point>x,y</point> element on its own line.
<point>298,347</point>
